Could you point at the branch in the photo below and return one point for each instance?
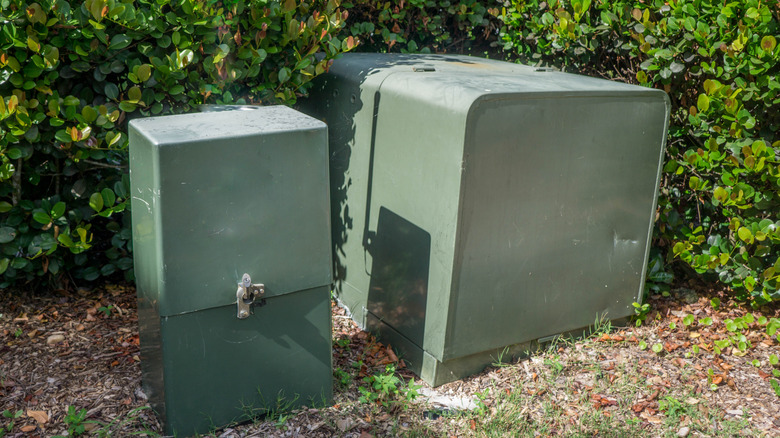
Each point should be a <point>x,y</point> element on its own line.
<point>99,164</point>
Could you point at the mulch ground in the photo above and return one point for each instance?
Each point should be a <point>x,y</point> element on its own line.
<point>81,351</point>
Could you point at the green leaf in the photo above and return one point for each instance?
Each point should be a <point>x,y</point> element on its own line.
<point>65,240</point>
<point>657,348</point>
<point>58,210</point>
<point>745,234</point>
<point>5,206</point>
<point>176,89</point>
<point>119,42</point>
<point>768,43</point>
<point>7,234</point>
<point>114,139</point>
<point>14,153</point>
<point>41,216</point>
<point>703,103</point>
<point>33,44</point>
<point>111,90</point>
<point>721,194</point>
<point>284,75</point>
<point>96,202</point>
<point>89,114</point>
<point>134,94</point>
<point>127,106</point>
<point>63,136</point>
<point>4,265</point>
<point>109,198</point>
<point>144,72</point>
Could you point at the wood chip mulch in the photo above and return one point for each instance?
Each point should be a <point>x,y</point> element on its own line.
<point>80,350</point>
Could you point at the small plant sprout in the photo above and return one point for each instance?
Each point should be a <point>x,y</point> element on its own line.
<point>657,348</point>
<point>775,386</point>
<point>342,377</point>
<point>688,320</point>
<point>640,312</point>
<point>499,362</point>
<point>10,416</point>
<point>384,387</point>
<point>75,421</point>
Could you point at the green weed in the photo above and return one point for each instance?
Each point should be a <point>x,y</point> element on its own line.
<point>11,416</point>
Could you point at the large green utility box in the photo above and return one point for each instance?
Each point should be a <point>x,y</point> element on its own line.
<point>479,205</point>
<point>215,196</point>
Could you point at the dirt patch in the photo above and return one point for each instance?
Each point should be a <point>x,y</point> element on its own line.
<point>693,369</point>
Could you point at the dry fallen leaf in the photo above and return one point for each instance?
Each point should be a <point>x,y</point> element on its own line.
<point>40,416</point>
<point>391,354</point>
<point>28,428</point>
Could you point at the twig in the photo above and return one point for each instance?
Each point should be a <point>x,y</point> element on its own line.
<point>99,164</point>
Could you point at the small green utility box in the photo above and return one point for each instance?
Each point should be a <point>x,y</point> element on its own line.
<point>232,262</point>
<point>481,206</point>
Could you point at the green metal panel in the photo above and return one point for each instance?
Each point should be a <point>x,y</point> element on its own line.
<point>208,369</point>
<point>479,204</point>
<point>217,195</point>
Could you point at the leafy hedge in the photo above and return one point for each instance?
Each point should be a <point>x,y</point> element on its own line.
<point>426,26</point>
<point>70,78</point>
<point>73,72</point>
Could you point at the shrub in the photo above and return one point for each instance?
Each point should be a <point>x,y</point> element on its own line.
<point>718,211</point>
<point>425,26</point>
<point>73,72</point>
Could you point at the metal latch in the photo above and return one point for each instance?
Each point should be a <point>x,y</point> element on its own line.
<point>246,295</point>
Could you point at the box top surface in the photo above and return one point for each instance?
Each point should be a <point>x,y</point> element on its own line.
<point>458,80</point>
<point>186,128</point>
